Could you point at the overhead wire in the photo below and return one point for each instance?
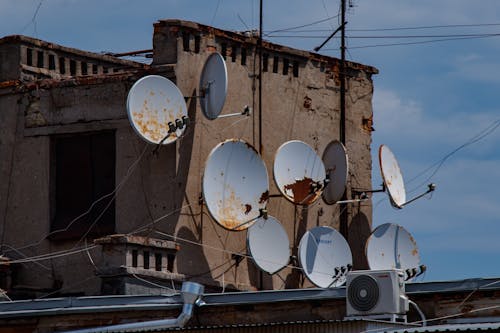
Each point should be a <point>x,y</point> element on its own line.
<point>300,26</point>
<point>113,193</point>
<point>51,255</point>
<point>245,255</point>
<point>33,19</point>
<point>438,164</point>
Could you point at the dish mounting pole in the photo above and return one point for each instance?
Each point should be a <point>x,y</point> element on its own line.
<point>344,224</point>
<point>259,46</point>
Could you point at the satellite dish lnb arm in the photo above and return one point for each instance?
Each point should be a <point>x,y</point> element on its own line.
<point>431,188</point>
<point>246,112</point>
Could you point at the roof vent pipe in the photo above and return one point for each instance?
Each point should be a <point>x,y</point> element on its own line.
<point>190,293</point>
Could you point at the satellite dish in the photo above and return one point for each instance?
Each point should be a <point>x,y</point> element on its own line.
<point>337,170</point>
<point>268,244</point>
<point>213,86</point>
<point>299,173</point>
<point>156,110</point>
<point>325,257</point>
<point>235,184</point>
<point>392,177</point>
<point>390,246</point>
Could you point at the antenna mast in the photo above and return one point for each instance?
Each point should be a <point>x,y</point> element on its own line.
<point>259,46</point>
<point>343,207</point>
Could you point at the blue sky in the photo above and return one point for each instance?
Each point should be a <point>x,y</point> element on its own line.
<point>429,98</point>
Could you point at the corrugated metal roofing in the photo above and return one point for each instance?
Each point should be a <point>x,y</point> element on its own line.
<point>492,327</point>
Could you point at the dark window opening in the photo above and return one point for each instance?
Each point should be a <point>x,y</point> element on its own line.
<point>185,41</point>
<point>286,64</point>
<point>83,171</point>
<point>72,67</point>
<point>52,62</point>
<point>135,254</point>
<point>170,262</point>
<point>275,64</point>
<point>233,53</point>
<point>265,62</point>
<point>84,68</point>
<point>243,56</point>
<point>146,259</point>
<point>197,40</point>
<point>39,59</point>
<point>105,70</point>
<point>223,50</point>
<point>158,258</point>
<point>296,69</point>
<point>29,57</point>
<point>62,66</point>
<point>94,69</point>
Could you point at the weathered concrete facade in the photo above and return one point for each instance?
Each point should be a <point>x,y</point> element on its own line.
<point>158,195</point>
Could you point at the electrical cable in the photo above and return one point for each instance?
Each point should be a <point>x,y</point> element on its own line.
<point>459,36</point>
<point>173,291</point>
<point>51,255</point>
<point>33,19</point>
<point>300,26</point>
<point>176,238</point>
<point>437,165</point>
<point>428,27</point>
<point>418,42</point>
<point>420,313</point>
<point>215,12</point>
<point>112,193</point>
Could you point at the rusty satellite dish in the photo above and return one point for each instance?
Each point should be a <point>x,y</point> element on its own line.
<point>299,172</point>
<point>213,86</point>
<point>325,257</point>
<point>156,109</point>
<point>235,184</point>
<point>337,170</point>
<point>392,177</point>
<point>268,244</point>
<point>391,246</point>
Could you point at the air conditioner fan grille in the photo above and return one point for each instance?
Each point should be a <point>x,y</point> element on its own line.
<point>363,293</point>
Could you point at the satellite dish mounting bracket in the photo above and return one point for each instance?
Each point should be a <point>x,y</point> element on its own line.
<point>430,188</point>
<point>247,111</point>
<point>173,126</point>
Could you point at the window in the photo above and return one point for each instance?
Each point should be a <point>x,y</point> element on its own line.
<point>62,66</point>
<point>83,170</point>
<point>29,57</point>
<point>286,64</point>
<point>39,59</point>
<point>275,64</point>
<point>52,62</point>
<point>265,62</point>
<point>72,67</point>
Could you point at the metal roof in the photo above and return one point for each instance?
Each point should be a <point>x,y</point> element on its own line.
<point>73,305</point>
<point>451,328</point>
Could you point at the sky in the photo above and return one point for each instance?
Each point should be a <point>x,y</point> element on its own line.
<point>435,97</point>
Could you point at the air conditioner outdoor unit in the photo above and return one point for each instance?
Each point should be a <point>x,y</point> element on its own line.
<point>376,294</point>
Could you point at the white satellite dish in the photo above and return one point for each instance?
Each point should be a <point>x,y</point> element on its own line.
<point>299,172</point>
<point>390,246</point>
<point>325,257</point>
<point>392,177</point>
<point>268,244</point>
<point>213,86</point>
<point>235,184</point>
<point>337,170</point>
<point>156,109</point>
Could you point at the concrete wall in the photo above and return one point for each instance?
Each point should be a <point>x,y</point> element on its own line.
<point>304,108</point>
<point>160,192</point>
